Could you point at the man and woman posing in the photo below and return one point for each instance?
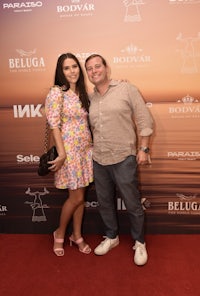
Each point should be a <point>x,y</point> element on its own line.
<point>119,120</point>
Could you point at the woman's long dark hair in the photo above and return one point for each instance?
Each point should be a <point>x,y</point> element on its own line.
<point>62,81</point>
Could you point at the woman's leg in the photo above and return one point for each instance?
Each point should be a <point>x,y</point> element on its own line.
<point>74,201</point>
<point>77,221</point>
<point>76,237</point>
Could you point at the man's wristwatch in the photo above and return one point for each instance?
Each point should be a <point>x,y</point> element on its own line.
<point>144,149</point>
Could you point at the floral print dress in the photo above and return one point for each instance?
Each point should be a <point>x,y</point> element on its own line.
<point>63,109</point>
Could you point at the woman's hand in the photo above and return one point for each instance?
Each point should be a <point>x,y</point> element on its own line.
<point>57,163</point>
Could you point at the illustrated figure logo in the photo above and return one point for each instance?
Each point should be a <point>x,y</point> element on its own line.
<point>132,10</point>
<point>37,205</point>
<point>188,53</point>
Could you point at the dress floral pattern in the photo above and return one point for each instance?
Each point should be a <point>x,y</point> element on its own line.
<point>63,109</point>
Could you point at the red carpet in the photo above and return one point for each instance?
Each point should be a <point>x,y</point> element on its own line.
<point>28,267</point>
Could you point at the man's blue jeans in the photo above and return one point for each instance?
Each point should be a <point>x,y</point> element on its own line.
<point>123,176</point>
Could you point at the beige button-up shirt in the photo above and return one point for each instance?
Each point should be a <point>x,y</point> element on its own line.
<point>116,118</point>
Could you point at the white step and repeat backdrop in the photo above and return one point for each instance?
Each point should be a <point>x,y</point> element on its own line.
<point>153,44</point>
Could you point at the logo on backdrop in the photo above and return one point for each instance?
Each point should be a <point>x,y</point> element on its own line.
<point>3,210</point>
<point>37,206</point>
<point>29,111</point>
<point>187,107</point>
<point>76,8</point>
<point>27,61</point>
<point>22,6</point>
<point>132,10</point>
<point>121,205</point>
<point>189,52</point>
<point>91,204</point>
<point>185,204</point>
<point>82,56</point>
<point>184,155</point>
<point>27,159</point>
<point>132,56</point>
<point>184,1</point>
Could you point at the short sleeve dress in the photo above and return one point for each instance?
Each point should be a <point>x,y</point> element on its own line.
<point>63,109</point>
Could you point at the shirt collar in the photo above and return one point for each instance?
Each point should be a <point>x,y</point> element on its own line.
<point>111,83</point>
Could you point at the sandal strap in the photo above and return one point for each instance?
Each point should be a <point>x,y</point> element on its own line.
<point>86,249</point>
<point>79,241</point>
<point>58,249</point>
<point>58,240</point>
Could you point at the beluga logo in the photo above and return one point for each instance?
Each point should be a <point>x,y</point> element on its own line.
<point>185,204</point>
<point>27,61</point>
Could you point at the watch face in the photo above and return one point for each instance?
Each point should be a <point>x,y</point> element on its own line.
<point>145,149</point>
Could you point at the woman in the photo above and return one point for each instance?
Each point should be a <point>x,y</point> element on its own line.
<point>66,109</point>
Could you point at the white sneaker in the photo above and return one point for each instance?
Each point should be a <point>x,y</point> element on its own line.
<point>106,245</point>
<point>141,256</point>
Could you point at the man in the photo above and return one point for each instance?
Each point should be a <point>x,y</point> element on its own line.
<point>119,121</point>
